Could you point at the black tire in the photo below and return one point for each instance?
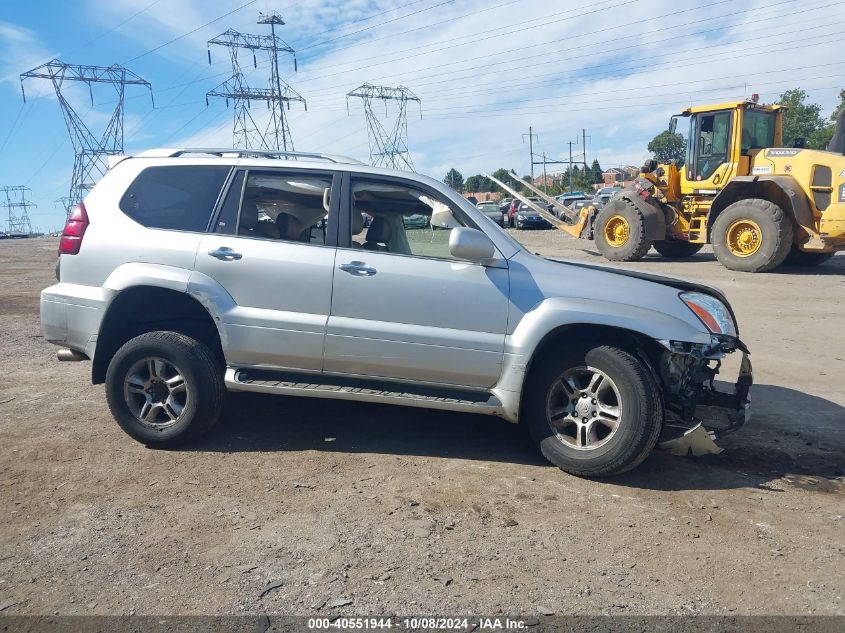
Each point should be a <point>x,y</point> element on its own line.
<point>676,249</point>
<point>202,374</point>
<point>640,419</point>
<point>635,246</point>
<point>775,235</point>
<point>803,259</point>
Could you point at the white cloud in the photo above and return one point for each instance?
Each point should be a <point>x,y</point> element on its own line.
<point>20,51</point>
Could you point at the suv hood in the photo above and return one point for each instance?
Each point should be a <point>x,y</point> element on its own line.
<point>639,301</point>
<point>680,284</point>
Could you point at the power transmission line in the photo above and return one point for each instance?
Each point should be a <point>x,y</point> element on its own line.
<point>449,76</point>
<point>191,32</point>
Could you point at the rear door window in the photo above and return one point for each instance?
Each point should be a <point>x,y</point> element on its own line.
<point>176,197</point>
<point>284,206</point>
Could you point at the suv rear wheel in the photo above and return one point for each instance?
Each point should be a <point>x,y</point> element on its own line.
<point>164,388</point>
<point>593,411</point>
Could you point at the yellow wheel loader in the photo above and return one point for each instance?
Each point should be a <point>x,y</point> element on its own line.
<point>758,204</point>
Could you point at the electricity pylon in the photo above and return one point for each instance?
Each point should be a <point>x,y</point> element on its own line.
<point>247,132</point>
<point>15,202</point>
<point>66,203</point>
<point>91,152</point>
<point>388,148</point>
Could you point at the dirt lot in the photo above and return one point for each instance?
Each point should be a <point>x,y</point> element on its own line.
<point>412,511</point>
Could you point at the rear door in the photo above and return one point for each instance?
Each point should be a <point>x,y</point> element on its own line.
<point>271,248</point>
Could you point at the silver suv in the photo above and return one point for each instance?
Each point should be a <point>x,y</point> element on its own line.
<point>187,273</point>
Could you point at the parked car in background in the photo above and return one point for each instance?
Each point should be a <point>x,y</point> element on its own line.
<point>569,199</point>
<point>528,218</point>
<point>512,209</point>
<point>491,210</point>
<point>415,221</point>
<point>603,195</point>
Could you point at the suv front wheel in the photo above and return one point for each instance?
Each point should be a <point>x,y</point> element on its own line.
<point>593,411</point>
<point>164,388</point>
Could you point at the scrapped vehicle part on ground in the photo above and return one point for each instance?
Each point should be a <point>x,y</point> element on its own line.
<point>265,279</point>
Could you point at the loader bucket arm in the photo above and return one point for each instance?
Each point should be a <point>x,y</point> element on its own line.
<point>573,230</point>
<point>557,205</point>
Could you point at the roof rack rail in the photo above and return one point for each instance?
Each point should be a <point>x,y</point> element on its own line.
<point>244,153</point>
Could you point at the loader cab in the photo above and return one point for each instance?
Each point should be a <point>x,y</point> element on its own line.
<point>721,141</point>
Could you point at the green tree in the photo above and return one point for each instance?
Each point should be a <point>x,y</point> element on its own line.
<point>473,184</point>
<point>821,137</point>
<point>597,171</point>
<point>668,147</point>
<point>802,120</point>
<point>505,176</point>
<point>454,179</point>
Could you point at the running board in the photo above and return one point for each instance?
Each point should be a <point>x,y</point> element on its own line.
<point>366,390</point>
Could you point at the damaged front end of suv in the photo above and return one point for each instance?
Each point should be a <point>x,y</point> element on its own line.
<point>688,373</point>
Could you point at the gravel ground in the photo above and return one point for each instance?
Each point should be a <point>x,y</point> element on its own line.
<point>305,506</point>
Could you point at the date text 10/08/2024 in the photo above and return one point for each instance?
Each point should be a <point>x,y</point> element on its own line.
<point>417,624</point>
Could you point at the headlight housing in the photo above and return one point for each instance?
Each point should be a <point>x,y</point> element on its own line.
<point>711,312</point>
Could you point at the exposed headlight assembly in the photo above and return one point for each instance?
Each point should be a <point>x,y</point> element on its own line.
<point>712,312</point>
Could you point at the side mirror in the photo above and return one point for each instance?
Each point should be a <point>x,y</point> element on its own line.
<point>673,124</point>
<point>471,245</point>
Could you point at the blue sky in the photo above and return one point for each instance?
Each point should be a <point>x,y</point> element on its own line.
<point>485,70</point>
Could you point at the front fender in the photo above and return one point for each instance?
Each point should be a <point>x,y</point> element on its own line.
<point>554,313</point>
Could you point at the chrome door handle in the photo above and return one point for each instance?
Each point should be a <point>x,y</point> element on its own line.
<point>225,253</point>
<point>359,269</point>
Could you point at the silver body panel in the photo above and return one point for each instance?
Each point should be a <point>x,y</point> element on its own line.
<point>289,306</point>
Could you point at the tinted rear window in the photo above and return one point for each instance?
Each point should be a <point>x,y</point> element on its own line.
<point>179,197</point>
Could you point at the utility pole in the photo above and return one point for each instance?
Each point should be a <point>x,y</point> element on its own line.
<point>247,133</point>
<point>15,201</point>
<point>91,161</point>
<point>571,143</point>
<point>531,136</point>
<point>584,137</point>
<point>545,182</point>
<point>387,148</point>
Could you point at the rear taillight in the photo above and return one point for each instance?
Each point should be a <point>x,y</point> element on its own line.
<point>75,227</point>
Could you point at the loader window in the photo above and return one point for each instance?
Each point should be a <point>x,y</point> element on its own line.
<point>758,130</point>
<point>712,143</point>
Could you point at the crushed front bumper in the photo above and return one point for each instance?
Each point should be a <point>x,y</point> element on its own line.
<point>724,412</point>
<point>692,395</point>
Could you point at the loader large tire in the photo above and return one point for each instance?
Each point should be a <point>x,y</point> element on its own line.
<point>752,235</point>
<point>676,249</point>
<point>797,257</point>
<point>619,232</point>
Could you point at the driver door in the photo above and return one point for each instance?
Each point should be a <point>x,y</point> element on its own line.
<point>402,307</point>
